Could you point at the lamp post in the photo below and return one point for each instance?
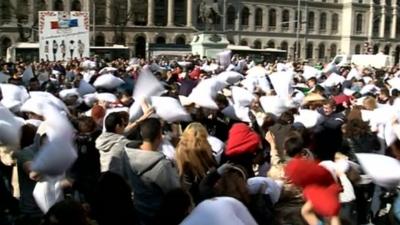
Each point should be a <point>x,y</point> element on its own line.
<point>297,55</point>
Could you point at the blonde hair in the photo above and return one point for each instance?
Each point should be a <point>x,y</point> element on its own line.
<point>369,103</point>
<point>194,153</point>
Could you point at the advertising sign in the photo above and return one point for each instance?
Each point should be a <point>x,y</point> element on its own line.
<point>63,35</point>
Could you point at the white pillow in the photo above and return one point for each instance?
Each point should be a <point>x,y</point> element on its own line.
<point>27,75</point>
<point>108,81</point>
<point>167,149</point>
<point>230,77</point>
<point>249,83</point>
<point>106,97</point>
<point>310,72</point>
<point>241,96</point>
<point>90,99</point>
<point>394,83</point>
<point>88,64</point>
<point>353,74</point>
<point>14,92</point>
<point>169,109</point>
<point>107,69</point>
<point>58,154</point>
<point>273,104</point>
<point>9,127</point>
<point>205,92</point>
<point>87,75</point>
<point>309,118</point>
<point>217,147</point>
<point>282,83</point>
<point>224,58</point>
<point>146,86</point>
<point>333,80</point>
<point>68,93</point>
<point>381,169</point>
<point>265,184</point>
<point>49,98</point>
<point>220,211</point>
<point>237,112</point>
<point>48,192</point>
<point>85,88</point>
<point>257,71</point>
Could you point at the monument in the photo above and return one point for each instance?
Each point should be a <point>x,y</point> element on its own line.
<point>209,42</point>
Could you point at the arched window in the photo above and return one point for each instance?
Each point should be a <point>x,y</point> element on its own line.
<point>231,15</point>
<point>140,47</point>
<point>160,12</point>
<point>388,25</point>
<point>335,23</point>
<point>243,43</point>
<point>160,40</point>
<point>180,40</point>
<point>359,23</point>
<point>285,19</point>
<point>333,50</point>
<point>284,45</point>
<point>387,50</point>
<point>118,12</point>
<point>309,51</point>
<point>76,5</point>
<point>58,5</point>
<point>179,14</point>
<point>245,16</point>
<point>259,17</point>
<point>99,40</point>
<point>272,18</point>
<point>231,41</point>
<point>257,44</point>
<point>321,51</point>
<point>100,15</point>
<point>322,22</point>
<point>357,49</point>
<point>5,11</point>
<point>271,44</point>
<point>22,12</point>
<point>376,49</point>
<point>310,22</point>
<point>4,44</point>
<point>138,13</point>
<point>376,27</point>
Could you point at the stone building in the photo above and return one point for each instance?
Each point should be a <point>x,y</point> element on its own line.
<point>326,27</point>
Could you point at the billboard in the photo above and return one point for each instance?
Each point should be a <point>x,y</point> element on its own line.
<point>63,35</point>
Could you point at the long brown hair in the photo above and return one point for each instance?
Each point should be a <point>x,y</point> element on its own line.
<point>233,183</point>
<point>194,153</point>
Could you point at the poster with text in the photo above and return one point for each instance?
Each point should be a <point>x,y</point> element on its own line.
<point>63,35</point>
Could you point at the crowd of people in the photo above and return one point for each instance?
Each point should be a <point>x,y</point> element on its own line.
<point>195,141</point>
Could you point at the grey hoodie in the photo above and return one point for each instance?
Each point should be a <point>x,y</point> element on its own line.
<point>151,176</point>
<point>111,147</point>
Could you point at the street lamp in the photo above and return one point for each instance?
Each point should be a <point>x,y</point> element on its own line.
<point>297,55</point>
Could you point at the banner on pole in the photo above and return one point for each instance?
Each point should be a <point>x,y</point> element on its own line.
<point>63,35</point>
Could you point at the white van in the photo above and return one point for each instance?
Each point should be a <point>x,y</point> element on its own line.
<point>376,61</point>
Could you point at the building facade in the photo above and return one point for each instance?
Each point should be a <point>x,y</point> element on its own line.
<point>323,29</point>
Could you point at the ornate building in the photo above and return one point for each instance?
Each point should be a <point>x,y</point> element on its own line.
<point>326,27</point>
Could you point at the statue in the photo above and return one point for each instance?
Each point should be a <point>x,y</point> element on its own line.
<point>209,13</point>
